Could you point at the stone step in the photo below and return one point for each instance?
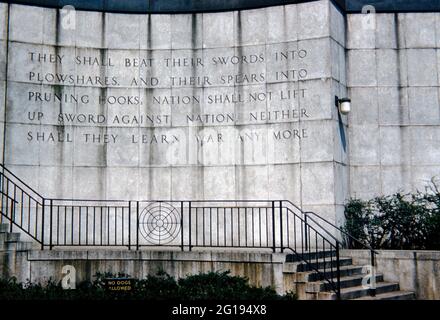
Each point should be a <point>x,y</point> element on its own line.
<point>346,282</point>
<point>23,245</point>
<point>359,291</point>
<point>321,264</point>
<point>2,241</point>
<point>293,267</point>
<point>4,228</point>
<point>394,295</point>
<point>309,256</point>
<point>13,237</point>
<point>345,271</point>
<point>7,245</point>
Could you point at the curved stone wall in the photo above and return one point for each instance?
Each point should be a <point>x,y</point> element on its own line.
<point>232,105</point>
<point>228,105</point>
<point>197,6</point>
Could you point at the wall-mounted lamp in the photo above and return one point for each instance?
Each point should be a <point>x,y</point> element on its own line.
<point>343,105</point>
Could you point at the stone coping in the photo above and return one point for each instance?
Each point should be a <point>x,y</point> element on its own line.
<point>179,6</point>
<point>162,6</point>
<point>395,254</point>
<point>162,255</point>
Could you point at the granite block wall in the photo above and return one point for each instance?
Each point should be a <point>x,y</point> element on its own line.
<point>233,105</point>
<point>394,85</point>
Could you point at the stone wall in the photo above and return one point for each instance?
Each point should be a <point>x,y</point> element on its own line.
<point>197,148</point>
<point>416,271</point>
<point>3,68</point>
<point>262,269</point>
<point>393,75</point>
<point>233,105</point>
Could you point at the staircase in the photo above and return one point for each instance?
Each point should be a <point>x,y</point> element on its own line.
<point>307,277</point>
<point>310,285</point>
<point>315,266</point>
<point>12,250</point>
<point>10,242</point>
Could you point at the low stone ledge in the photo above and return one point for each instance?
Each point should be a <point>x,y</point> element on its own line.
<point>415,270</point>
<point>395,254</point>
<point>97,254</point>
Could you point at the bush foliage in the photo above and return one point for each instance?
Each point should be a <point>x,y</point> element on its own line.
<point>399,221</point>
<point>208,286</point>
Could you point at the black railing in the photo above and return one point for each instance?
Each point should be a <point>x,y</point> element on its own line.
<point>315,246</point>
<point>264,224</point>
<point>21,206</point>
<point>345,240</point>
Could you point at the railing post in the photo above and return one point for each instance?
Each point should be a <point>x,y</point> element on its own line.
<point>281,226</point>
<point>1,189</point>
<point>137,225</point>
<point>273,226</point>
<point>305,232</point>
<point>129,225</point>
<point>181,226</point>
<point>51,219</point>
<point>7,204</point>
<point>42,222</point>
<point>373,275</point>
<point>338,273</point>
<point>12,214</point>
<point>189,226</point>
<point>13,206</point>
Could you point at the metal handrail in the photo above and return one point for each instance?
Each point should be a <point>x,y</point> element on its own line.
<point>53,216</point>
<point>8,197</point>
<point>373,252</point>
<point>21,181</point>
<point>335,286</point>
<point>341,230</point>
<point>333,225</point>
<point>326,231</point>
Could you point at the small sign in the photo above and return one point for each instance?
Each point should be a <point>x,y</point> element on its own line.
<point>119,284</point>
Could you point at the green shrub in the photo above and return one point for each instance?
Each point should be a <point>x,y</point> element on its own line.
<point>212,285</point>
<point>222,286</point>
<point>399,221</point>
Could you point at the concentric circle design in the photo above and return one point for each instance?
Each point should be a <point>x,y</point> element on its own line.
<point>159,223</point>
